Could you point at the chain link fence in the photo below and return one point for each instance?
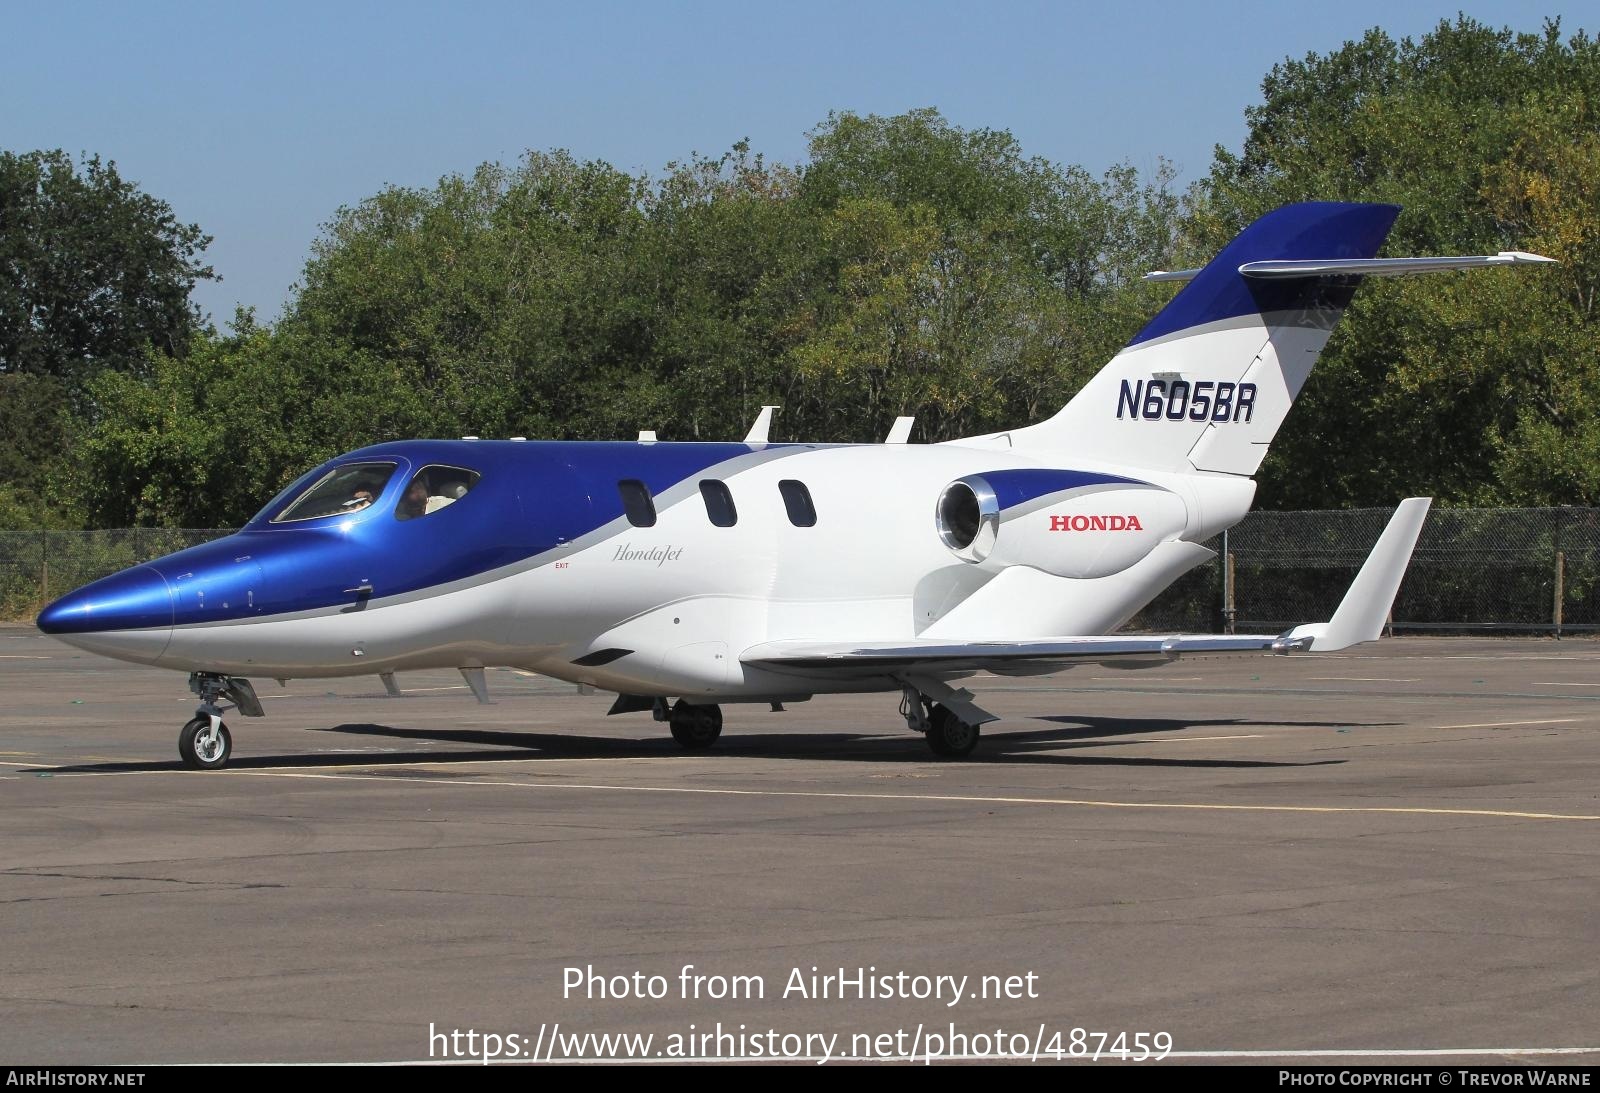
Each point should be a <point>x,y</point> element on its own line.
<point>1532,570</point>
<point>1527,570</point>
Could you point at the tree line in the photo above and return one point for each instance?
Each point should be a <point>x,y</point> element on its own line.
<point>907,266</point>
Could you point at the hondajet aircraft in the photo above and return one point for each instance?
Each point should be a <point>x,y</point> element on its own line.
<point>762,572</point>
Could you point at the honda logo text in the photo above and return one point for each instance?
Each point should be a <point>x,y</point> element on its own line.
<point>1095,523</point>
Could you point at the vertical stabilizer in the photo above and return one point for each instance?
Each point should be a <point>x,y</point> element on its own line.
<point>1207,383</point>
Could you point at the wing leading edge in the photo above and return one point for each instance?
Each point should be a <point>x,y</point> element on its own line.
<point>1359,618</point>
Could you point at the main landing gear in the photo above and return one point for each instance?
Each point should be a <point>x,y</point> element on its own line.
<point>948,735</point>
<point>204,743</point>
<point>695,728</point>
<point>951,726</point>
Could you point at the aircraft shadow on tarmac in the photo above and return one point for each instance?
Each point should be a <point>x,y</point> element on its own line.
<point>1024,746</point>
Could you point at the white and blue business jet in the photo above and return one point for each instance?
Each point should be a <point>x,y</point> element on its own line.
<point>760,572</point>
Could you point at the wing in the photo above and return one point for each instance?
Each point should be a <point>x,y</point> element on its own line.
<point>876,658</point>
<point>1359,618</point>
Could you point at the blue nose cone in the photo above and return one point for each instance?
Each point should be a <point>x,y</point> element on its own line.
<point>135,599</point>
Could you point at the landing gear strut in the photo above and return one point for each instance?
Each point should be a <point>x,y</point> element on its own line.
<point>695,727</point>
<point>204,742</point>
<point>948,735</point>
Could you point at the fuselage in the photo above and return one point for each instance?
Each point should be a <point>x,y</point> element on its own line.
<point>647,568</point>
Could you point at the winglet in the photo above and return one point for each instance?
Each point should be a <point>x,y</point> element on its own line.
<point>1362,611</point>
<point>760,427</point>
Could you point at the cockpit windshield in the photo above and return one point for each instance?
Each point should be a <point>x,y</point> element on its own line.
<point>433,488</point>
<point>343,490</point>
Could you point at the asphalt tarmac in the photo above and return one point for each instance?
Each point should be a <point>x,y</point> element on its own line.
<point>1293,859</point>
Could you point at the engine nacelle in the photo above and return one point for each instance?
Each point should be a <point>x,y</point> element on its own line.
<point>1078,530</point>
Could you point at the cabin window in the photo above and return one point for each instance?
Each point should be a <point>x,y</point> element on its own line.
<point>637,503</point>
<point>433,488</point>
<point>719,503</point>
<point>342,491</point>
<point>797,499</point>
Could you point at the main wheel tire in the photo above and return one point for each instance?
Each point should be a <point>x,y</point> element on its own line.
<point>695,727</point>
<point>949,736</point>
<point>200,753</point>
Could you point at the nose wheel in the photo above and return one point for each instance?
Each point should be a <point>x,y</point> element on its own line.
<point>204,742</point>
<point>204,745</point>
<point>695,727</point>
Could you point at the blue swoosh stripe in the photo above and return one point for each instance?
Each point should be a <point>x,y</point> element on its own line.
<point>533,497</point>
<point>1018,487</point>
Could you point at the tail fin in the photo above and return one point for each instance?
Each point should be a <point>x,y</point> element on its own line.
<point>1207,383</point>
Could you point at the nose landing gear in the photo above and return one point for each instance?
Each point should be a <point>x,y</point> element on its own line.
<point>204,743</point>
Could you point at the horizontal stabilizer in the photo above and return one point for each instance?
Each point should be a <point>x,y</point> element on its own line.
<point>1388,267</point>
<point>1365,267</point>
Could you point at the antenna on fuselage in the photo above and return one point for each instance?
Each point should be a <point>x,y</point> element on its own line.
<point>760,427</point>
<point>900,431</point>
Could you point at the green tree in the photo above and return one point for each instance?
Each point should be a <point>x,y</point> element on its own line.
<point>94,276</point>
<point>36,425</point>
<point>92,271</point>
<point>488,294</point>
<point>207,440</point>
<point>1475,388</point>
<point>908,267</point>
<point>724,265</point>
<point>964,281</point>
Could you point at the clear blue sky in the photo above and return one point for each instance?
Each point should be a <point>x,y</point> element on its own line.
<point>258,121</point>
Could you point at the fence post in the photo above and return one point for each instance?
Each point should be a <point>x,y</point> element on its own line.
<point>1561,576</point>
<point>1229,608</point>
<point>44,568</point>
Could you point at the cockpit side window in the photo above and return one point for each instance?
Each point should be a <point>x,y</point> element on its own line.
<point>433,488</point>
<point>343,490</point>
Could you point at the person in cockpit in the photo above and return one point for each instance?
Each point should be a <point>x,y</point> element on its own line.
<point>414,502</point>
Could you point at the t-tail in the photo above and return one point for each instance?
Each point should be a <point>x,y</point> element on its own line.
<point>1207,383</point>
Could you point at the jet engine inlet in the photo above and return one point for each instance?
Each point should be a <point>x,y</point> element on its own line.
<point>968,518</point>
